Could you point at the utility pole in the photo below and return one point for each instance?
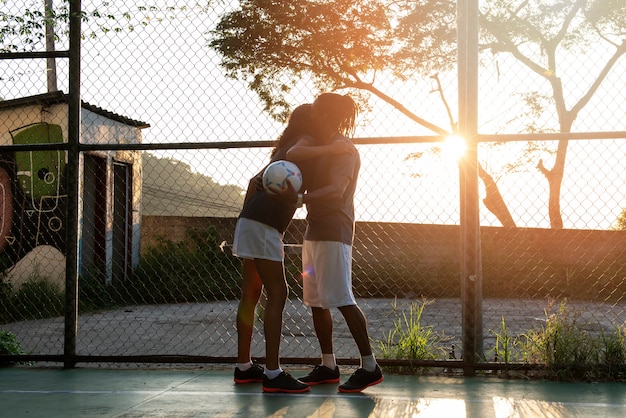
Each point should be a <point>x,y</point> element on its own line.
<point>51,65</point>
<point>470,248</point>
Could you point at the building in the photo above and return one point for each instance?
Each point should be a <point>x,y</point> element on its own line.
<point>33,196</point>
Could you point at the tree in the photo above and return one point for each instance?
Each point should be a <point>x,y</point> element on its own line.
<point>345,43</point>
<point>23,27</point>
<point>620,224</point>
<point>568,25</point>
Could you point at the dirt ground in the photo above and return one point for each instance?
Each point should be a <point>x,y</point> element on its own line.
<point>208,329</point>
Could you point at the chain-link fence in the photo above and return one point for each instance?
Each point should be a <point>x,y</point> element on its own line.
<point>168,144</point>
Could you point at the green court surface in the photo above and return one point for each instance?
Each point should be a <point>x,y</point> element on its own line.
<point>86,392</point>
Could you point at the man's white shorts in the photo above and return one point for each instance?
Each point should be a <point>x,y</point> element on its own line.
<point>327,274</point>
<point>255,239</point>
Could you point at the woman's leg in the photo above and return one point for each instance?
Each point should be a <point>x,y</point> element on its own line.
<point>251,291</point>
<point>272,275</point>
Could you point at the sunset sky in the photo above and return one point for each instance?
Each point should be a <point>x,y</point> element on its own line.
<point>164,74</point>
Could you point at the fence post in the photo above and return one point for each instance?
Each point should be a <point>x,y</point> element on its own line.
<point>470,254</point>
<point>73,158</point>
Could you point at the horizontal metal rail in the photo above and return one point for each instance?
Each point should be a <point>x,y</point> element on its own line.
<point>359,141</point>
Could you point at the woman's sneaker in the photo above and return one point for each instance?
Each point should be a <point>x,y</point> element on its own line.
<point>321,374</point>
<point>253,375</point>
<point>362,379</point>
<point>284,383</point>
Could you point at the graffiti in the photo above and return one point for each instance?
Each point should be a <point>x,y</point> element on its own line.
<point>32,193</point>
<point>6,205</point>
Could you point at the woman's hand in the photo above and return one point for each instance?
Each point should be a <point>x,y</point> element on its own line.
<point>258,182</point>
<point>289,196</point>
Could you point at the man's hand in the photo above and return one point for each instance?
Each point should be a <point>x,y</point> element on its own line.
<point>341,145</point>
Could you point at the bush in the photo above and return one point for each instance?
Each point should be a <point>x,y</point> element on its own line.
<point>192,270</point>
<point>9,346</point>
<point>6,303</point>
<point>38,298</point>
<point>93,293</point>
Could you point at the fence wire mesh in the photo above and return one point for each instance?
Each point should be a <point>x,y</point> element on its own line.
<point>156,274</point>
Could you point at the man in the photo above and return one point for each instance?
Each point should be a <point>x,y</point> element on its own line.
<point>327,247</point>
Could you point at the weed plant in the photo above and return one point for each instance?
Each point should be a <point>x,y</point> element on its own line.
<point>410,339</point>
<point>506,349</point>
<point>570,352</point>
<point>613,357</point>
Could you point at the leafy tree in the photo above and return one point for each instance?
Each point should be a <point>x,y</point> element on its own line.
<point>345,43</point>
<point>22,29</point>
<point>552,27</point>
<point>620,224</point>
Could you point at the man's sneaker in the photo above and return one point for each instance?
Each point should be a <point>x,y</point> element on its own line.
<point>253,375</point>
<point>321,374</point>
<point>362,379</point>
<point>284,383</point>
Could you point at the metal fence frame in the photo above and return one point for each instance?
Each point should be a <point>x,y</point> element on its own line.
<point>469,245</point>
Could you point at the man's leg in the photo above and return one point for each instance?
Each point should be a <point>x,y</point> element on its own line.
<point>323,323</point>
<point>327,372</point>
<point>369,374</point>
<point>358,328</point>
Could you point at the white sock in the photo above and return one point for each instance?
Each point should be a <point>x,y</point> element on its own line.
<point>244,366</point>
<point>328,360</point>
<point>272,374</point>
<point>368,363</point>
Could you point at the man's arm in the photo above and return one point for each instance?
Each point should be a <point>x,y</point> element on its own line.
<point>327,194</point>
<point>305,149</point>
<point>331,192</point>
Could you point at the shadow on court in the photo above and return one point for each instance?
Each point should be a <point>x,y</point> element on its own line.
<point>86,392</point>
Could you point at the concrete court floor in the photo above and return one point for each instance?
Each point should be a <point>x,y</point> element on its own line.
<point>95,392</point>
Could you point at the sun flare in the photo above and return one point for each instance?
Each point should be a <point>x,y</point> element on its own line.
<point>454,147</point>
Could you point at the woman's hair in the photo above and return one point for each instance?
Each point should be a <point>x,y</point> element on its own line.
<point>299,123</point>
<point>341,112</point>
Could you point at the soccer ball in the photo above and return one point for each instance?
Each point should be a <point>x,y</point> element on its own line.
<point>277,174</point>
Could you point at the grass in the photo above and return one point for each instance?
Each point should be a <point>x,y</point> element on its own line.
<point>410,339</point>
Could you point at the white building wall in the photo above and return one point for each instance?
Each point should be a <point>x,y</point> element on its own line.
<point>95,129</point>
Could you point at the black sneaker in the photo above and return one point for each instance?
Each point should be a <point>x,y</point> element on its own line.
<point>253,375</point>
<point>284,383</point>
<point>362,379</point>
<point>321,374</point>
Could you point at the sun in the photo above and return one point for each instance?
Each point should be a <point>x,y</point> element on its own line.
<point>453,148</point>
